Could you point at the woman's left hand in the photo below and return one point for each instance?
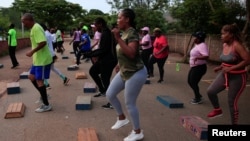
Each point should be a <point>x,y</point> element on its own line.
<point>226,69</point>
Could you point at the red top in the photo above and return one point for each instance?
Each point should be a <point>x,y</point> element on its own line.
<point>159,43</point>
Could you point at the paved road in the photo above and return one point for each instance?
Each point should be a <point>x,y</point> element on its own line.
<point>159,123</point>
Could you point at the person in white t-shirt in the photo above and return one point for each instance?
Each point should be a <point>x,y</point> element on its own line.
<point>50,39</point>
<point>95,41</point>
<point>198,65</point>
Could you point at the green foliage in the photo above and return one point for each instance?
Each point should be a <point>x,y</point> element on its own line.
<point>148,12</point>
<point>196,15</point>
<point>95,12</point>
<point>4,21</point>
<point>53,12</point>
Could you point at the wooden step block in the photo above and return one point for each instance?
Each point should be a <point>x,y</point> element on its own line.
<point>196,125</point>
<point>170,101</point>
<point>83,102</point>
<point>13,88</point>
<point>24,75</point>
<point>87,134</point>
<point>72,68</point>
<point>65,57</point>
<point>15,110</point>
<point>147,81</point>
<point>81,75</point>
<point>89,87</point>
<point>1,65</point>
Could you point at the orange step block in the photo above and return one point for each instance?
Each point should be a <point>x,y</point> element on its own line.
<point>81,75</point>
<point>87,134</point>
<point>15,110</point>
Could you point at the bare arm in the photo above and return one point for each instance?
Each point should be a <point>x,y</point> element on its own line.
<point>128,49</point>
<point>40,45</point>
<point>244,54</point>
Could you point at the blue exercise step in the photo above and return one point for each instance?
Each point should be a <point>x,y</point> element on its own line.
<point>169,101</point>
<point>13,88</point>
<point>83,102</point>
<point>24,75</point>
<point>89,87</point>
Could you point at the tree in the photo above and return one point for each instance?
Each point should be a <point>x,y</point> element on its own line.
<point>148,12</point>
<point>4,23</point>
<point>53,12</point>
<point>208,15</point>
<point>95,12</point>
<point>4,20</point>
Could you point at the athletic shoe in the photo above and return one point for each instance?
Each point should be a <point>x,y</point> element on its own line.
<point>43,108</point>
<point>215,113</point>
<point>150,75</point>
<point>48,87</point>
<point>159,81</point>
<point>40,99</point>
<point>100,94</point>
<point>107,106</point>
<point>196,101</point>
<point>120,123</point>
<point>134,137</point>
<point>14,66</point>
<point>75,66</point>
<point>66,81</point>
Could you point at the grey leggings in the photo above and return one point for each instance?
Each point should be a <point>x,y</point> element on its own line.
<point>236,85</point>
<point>132,88</point>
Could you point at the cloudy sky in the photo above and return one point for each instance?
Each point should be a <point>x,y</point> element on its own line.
<point>86,4</point>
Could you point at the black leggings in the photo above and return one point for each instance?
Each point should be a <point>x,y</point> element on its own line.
<point>236,85</point>
<point>145,56</point>
<point>160,62</point>
<point>76,47</point>
<point>101,73</point>
<point>194,76</point>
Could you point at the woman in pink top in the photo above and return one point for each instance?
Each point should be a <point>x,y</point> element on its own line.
<point>160,53</point>
<point>146,46</point>
<point>198,65</point>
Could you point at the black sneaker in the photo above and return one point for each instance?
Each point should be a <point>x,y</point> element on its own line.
<point>14,66</point>
<point>66,81</point>
<point>100,94</point>
<point>150,75</point>
<point>159,81</point>
<point>107,106</point>
<point>196,101</point>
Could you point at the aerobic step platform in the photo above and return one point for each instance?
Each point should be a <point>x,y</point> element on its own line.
<point>196,125</point>
<point>13,88</point>
<point>83,102</point>
<point>169,101</point>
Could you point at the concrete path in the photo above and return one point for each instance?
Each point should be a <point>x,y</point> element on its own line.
<point>159,122</point>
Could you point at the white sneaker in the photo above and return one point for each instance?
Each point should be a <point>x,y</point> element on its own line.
<point>120,123</point>
<point>43,108</point>
<point>75,66</point>
<point>134,137</point>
